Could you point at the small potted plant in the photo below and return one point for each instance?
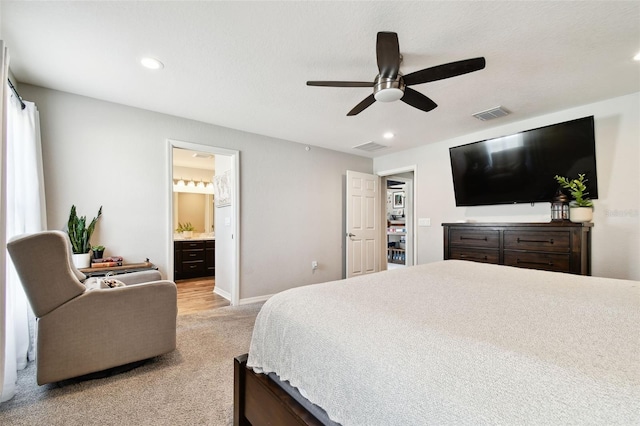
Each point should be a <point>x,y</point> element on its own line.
<point>581,207</point>
<point>98,251</point>
<point>79,235</point>
<point>186,229</point>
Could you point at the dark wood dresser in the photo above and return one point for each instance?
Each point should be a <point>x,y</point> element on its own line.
<point>194,259</point>
<point>555,246</point>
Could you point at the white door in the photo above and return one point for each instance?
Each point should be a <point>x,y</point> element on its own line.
<point>363,224</point>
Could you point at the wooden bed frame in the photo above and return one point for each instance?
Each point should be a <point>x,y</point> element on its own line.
<point>258,400</point>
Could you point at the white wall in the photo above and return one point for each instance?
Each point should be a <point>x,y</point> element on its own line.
<point>616,232</point>
<point>98,153</point>
<point>224,234</point>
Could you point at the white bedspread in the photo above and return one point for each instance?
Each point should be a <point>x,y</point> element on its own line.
<point>456,343</point>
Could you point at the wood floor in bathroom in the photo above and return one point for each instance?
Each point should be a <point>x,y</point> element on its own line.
<point>196,294</point>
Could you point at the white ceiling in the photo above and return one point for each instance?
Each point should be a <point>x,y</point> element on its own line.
<point>244,65</point>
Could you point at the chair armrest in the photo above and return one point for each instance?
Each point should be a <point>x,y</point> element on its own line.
<point>138,277</point>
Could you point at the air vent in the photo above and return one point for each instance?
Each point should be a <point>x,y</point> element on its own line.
<point>490,114</point>
<point>370,146</point>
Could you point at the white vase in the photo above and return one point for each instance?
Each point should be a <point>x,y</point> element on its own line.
<point>187,234</point>
<point>82,260</point>
<point>580,214</point>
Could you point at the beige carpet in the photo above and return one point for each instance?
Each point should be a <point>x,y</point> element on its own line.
<point>191,386</point>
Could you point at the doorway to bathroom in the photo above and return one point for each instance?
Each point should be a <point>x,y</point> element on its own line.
<point>204,226</point>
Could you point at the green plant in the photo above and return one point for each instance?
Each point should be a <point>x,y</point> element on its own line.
<point>79,232</point>
<point>577,189</point>
<point>187,226</point>
<point>97,248</point>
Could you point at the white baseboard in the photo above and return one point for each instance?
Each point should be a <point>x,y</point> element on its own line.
<point>222,293</point>
<point>245,301</point>
<point>257,299</point>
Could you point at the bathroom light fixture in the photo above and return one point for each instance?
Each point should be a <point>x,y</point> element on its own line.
<point>637,57</point>
<point>193,186</point>
<point>151,63</point>
<point>388,135</point>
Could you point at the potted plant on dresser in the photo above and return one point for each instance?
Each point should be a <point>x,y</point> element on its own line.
<point>581,207</point>
<point>186,229</point>
<point>79,235</point>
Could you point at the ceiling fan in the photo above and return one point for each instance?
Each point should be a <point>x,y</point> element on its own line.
<point>390,85</point>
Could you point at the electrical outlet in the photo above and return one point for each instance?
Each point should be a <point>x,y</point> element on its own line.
<point>314,265</point>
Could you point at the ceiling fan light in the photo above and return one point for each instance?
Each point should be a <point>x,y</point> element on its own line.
<point>389,95</point>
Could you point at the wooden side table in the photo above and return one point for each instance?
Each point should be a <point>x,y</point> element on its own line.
<point>117,270</point>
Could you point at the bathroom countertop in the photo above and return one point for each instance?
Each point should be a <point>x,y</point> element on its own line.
<point>195,238</point>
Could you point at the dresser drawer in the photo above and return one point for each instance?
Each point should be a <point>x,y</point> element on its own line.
<point>546,261</point>
<point>537,241</point>
<point>194,267</point>
<point>475,255</point>
<point>190,255</point>
<point>192,245</point>
<point>475,238</point>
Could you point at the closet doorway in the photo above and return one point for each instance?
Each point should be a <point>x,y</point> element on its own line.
<point>203,226</point>
<point>398,208</point>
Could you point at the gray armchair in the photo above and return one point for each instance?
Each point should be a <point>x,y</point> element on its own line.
<point>83,330</point>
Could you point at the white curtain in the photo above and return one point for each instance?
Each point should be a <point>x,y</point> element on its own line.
<point>25,213</point>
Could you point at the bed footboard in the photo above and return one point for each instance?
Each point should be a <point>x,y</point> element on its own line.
<point>258,401</point>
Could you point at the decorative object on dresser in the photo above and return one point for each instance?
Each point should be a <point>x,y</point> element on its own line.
<point>560,206</point>
<point>581,208</point>
<point>186,229</point>
<point>80,235</point>
<point>559,246</point>
<point>194,259</point>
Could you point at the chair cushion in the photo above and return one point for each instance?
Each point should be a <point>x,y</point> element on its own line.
<point>102,282</point>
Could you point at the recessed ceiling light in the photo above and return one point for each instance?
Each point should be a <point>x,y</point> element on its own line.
<point>388,135</point>
<point>151,63</point>
<point>637,57</point>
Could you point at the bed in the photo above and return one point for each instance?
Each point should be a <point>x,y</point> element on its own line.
<point>451,342</point>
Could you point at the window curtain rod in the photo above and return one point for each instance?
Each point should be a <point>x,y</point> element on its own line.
<point>22,105</point>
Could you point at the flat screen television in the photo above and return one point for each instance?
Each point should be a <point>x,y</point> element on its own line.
<point>520,168</point>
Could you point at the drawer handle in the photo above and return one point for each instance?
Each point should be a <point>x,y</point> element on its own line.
<point>192,266</point>
<point>522,240</point>
<point>548,263</point>
<point>192,255</point>
<point>474,238</point>
<point>464,256</point>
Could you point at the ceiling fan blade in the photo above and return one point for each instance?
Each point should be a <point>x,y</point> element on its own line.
<point>362,105</point>
<point>417,100</point>
<point>388,54</point>
<point>440,72</point>
<point>341,83</point>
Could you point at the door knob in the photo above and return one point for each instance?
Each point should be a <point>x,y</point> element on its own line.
<point>350,235</point>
